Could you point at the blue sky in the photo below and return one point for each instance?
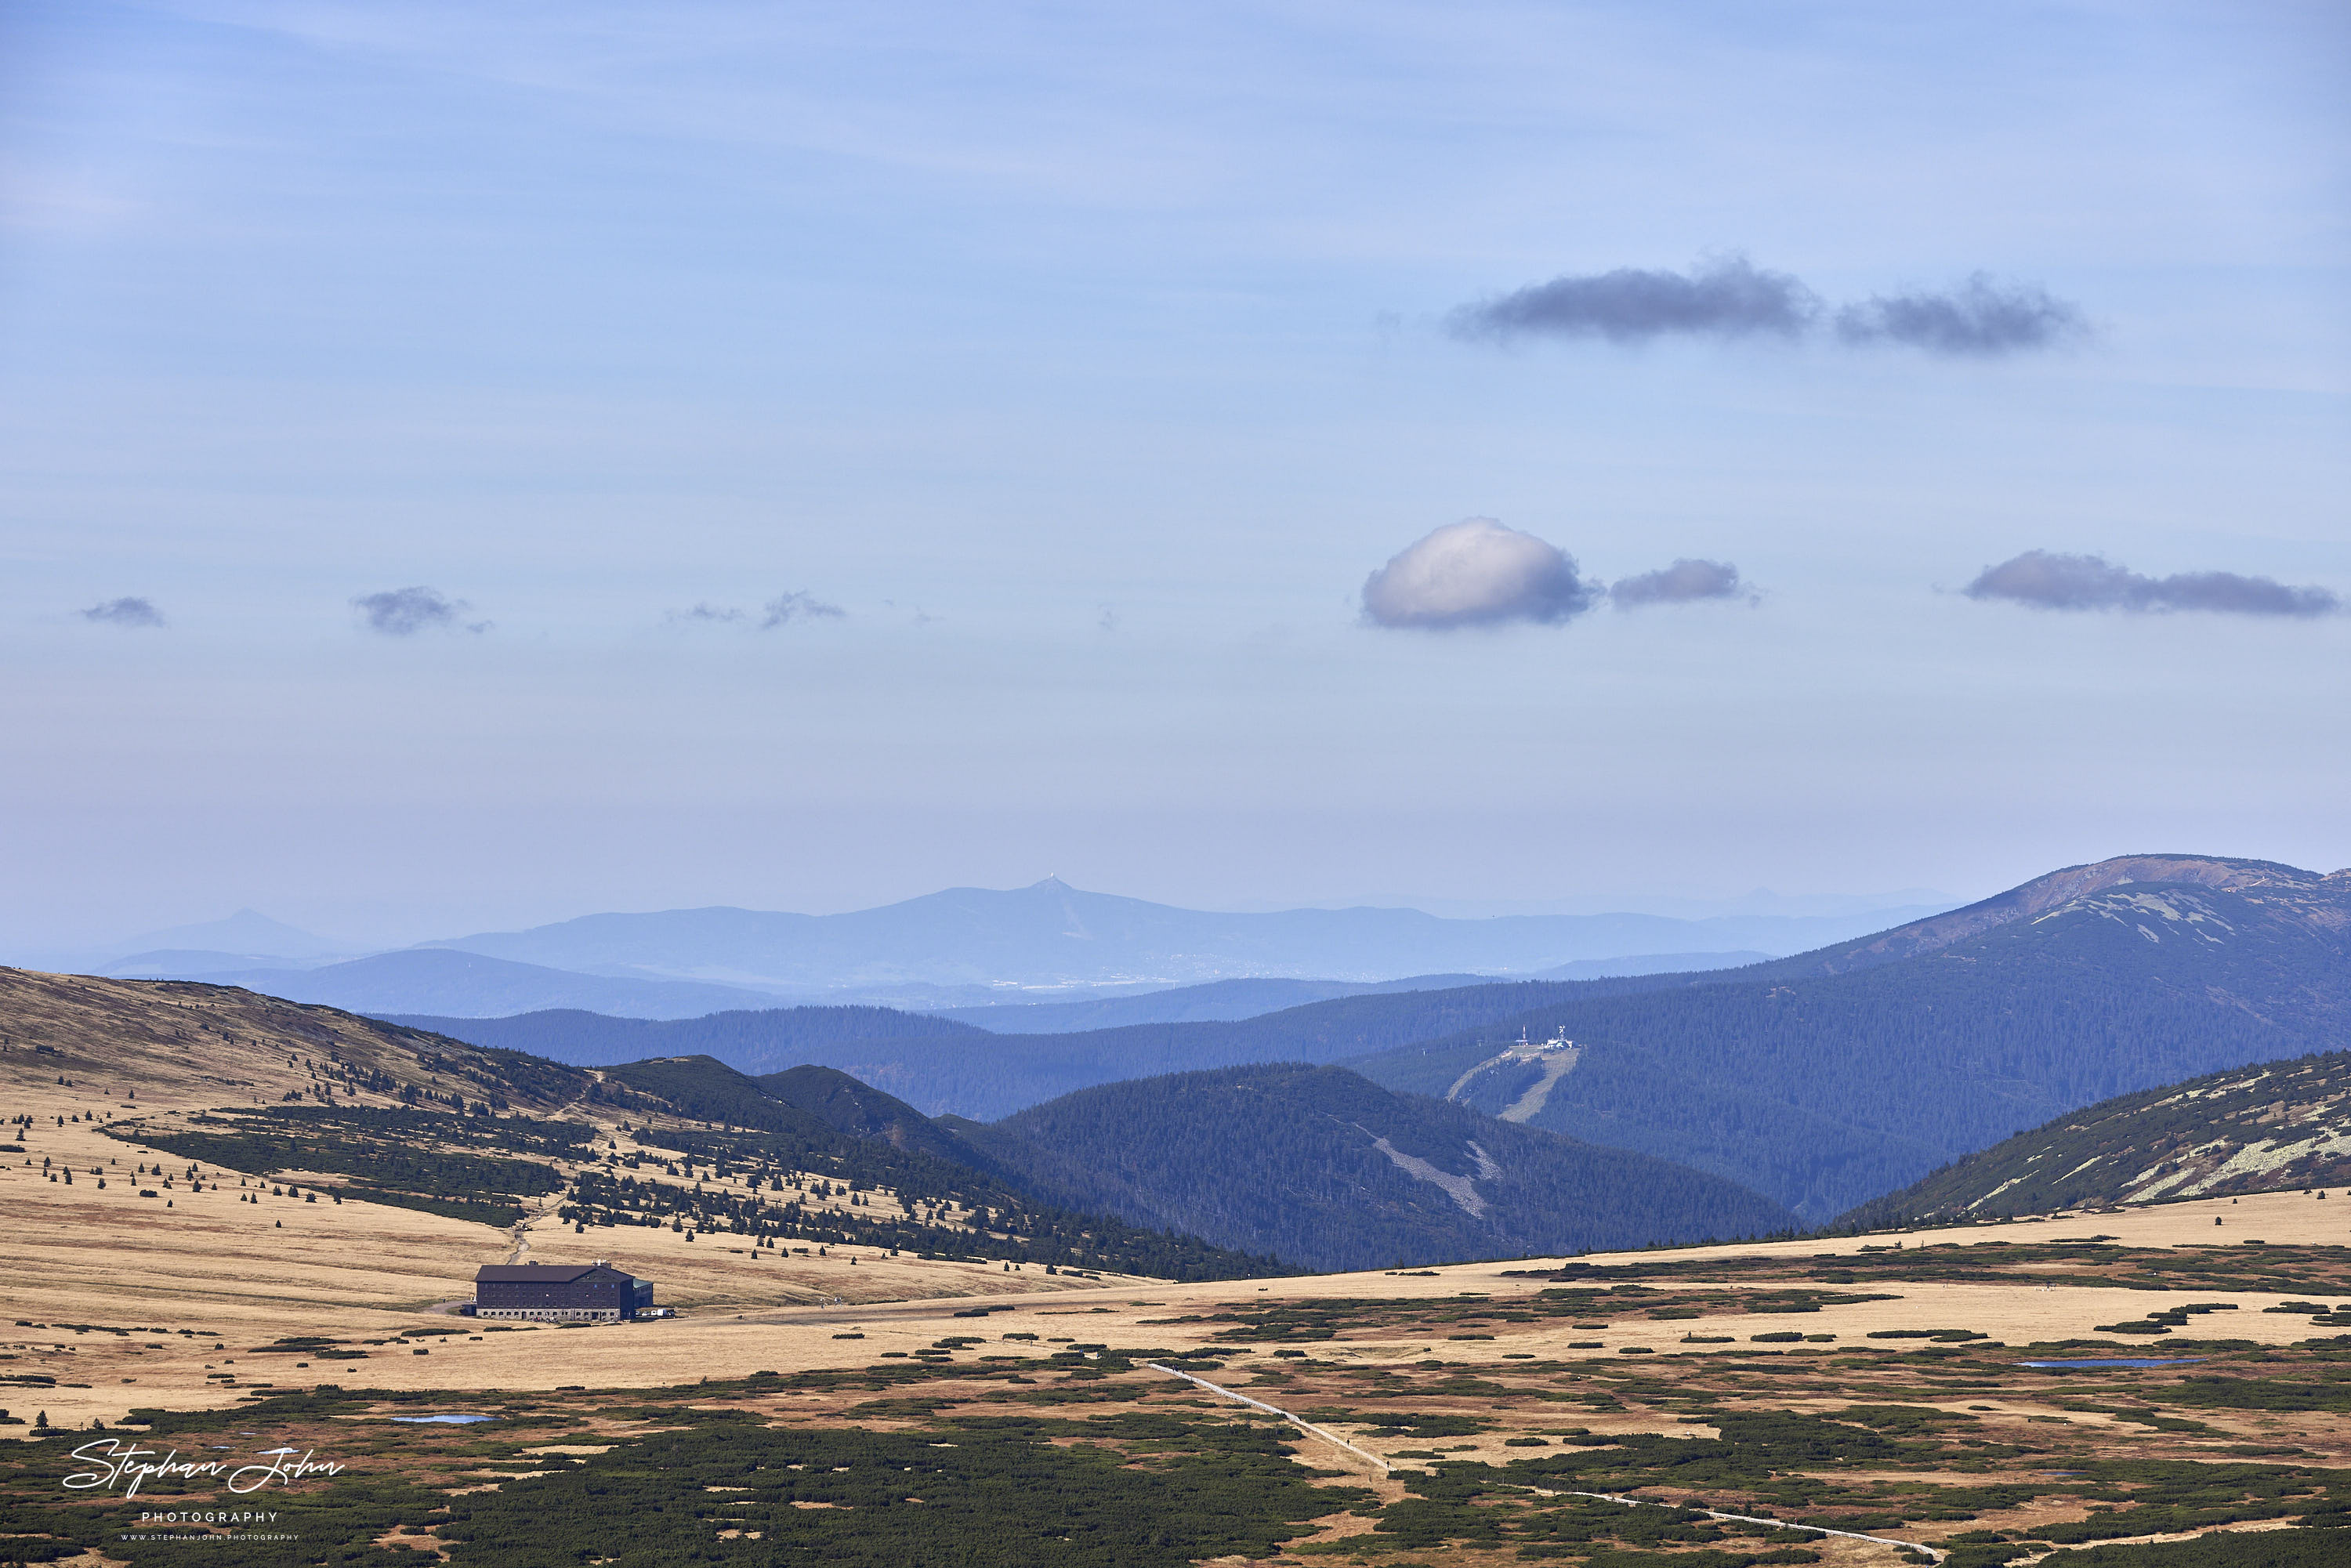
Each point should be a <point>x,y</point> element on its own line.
<point>1087,360</point>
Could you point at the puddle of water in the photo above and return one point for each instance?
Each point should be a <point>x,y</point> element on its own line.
<point>442,1420</point>
<point>2133,1361</point>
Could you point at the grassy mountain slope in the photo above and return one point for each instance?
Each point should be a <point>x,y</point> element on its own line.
<point>379,1112</point>
<point>1331,1170</point>
<point>2282,1124</point>
<point>1823,1083</point>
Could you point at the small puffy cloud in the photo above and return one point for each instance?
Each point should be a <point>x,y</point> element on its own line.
<point>405,612</point>
<point>1476,572</point>
<point>719,615</point>
<point>1684,582</point>
<point>1729,299</point>
<point>2045,579</point>
<point>788,608</point>
<point>1979,318</point>
<point>126,612</point>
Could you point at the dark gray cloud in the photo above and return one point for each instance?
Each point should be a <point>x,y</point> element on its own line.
<point>405,612</point>
<point>787,608</point>
<point>1980,316</point>
<point>1476,572</point>
<point>1684,582</point>
<point>125,613</point>
<point>1730,299</point>
<point>2045,579</point>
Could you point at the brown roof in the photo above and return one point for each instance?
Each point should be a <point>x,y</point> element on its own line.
<point>532,1273</point>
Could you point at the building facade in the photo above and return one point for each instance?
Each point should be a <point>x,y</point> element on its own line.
<point>560,1292</point>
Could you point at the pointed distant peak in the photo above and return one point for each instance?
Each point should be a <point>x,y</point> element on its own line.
<point>248,930</point>
<point>1051,884</point>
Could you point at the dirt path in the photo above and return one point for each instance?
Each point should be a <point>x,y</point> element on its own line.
<point>1308,1428</point>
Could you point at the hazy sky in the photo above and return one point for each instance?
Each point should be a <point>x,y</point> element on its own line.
<point>469,465</point>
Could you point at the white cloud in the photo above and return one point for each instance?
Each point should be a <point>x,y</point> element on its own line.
<point>1476,572</point>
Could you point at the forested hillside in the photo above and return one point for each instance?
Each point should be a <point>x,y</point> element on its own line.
<point>950,1206</point>
<point>2279,1125</point>
<point>864,1112</point>
<point>1829,1089</point>
<point>1330,1170</point>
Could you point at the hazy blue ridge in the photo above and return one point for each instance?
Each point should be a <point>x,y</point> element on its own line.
<point>939,1065</point>
<point>1230,1000</point>
<point>443,983</point>
<point>1055,934</point>
<point>766,1040</point>
<point>1215,1001</point>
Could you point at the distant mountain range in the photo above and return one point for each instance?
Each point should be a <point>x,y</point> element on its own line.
<point>1226,1001</point>
<point>1051,933</point>
<point>1821,1081</point>
<point>248,934</point>
<point>961,952</point>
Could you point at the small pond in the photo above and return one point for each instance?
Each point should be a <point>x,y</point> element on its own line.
<point>442,1420</point>
<point>2126,1360</point>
